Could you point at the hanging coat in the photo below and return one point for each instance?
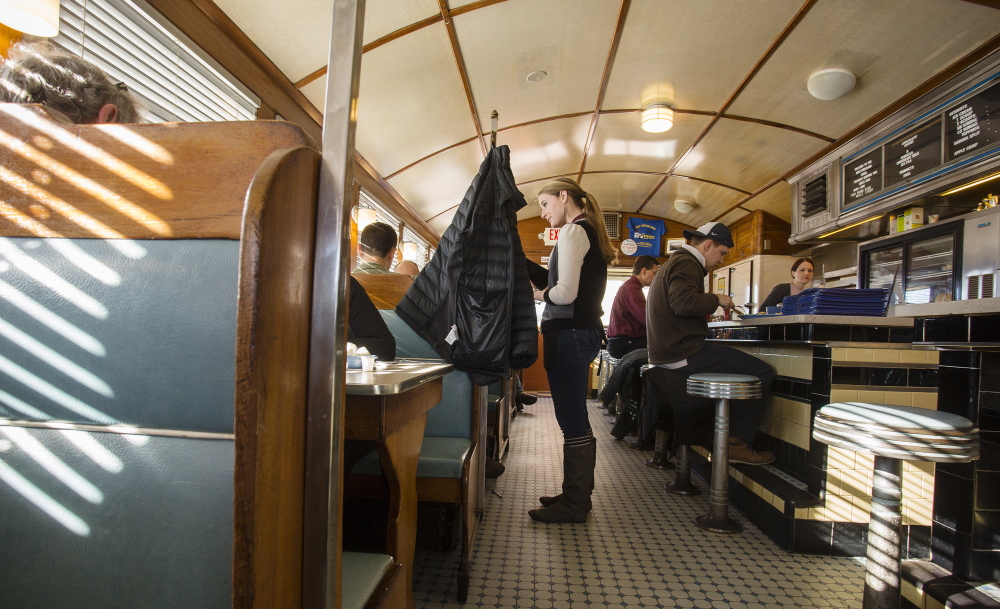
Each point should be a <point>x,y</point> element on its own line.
<point>473,300</point>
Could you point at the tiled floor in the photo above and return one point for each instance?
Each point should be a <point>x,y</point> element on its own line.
<point>640,547</point>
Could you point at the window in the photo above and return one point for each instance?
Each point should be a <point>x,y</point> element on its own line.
<point>160,67</point>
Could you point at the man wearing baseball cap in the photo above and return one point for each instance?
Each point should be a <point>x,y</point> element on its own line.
<point>676,328</point>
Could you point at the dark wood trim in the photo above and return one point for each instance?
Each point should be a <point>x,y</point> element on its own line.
<point>678,175</point>
<point>217,35</point>
<point>929,85</point>
<point>760,121</point>
<point>799,16</point>
<point>403,31</point>
<point>463,72</point>
<point>605,77</point>
<point>366,175</point>
<point>988,3</point>
<point>472,6</point>
<point>433,154</point>
<point>676,111</point>
<point>320,73</point>
<point>544,120</point>
<point>266,113</point>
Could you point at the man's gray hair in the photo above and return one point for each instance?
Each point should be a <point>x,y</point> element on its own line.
<point>40,74</point>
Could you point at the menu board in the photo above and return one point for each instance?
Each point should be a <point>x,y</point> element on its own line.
<point>974,124</point>
<point>863,176</point>
<point>913,153</point>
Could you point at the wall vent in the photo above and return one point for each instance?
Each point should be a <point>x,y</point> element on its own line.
<point>980,286</point>
<point>814,197</point>
<point>613,221</point>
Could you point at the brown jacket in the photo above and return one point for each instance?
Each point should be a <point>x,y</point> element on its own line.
<point>677,309</point>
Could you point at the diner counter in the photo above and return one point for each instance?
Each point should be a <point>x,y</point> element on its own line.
<point>975,306</point>
<point>813,329</point>
<point>836,320</point>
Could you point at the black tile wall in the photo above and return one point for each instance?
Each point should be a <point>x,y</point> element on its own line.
<point>987,497</point>
<point>922,377</point>
<point>918,542</point>
<point>984,328</point>
<point>812,537</point>
<point>869,334</point>
<point>826,332</point>
<point>792,388</point>
<point>885,376</point>
<point>986,530</point>
<point>985,566</point>
<point>951,501</point>
<point>952,550</point>
<point>951,329</point>
<point>960,359</point>
<point>849,539</point>
<point>902,335</point>
<point>961,390</point>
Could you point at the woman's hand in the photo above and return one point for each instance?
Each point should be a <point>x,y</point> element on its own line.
<point>539,294</point>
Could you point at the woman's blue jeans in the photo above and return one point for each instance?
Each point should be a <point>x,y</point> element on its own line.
<point>568,355</point>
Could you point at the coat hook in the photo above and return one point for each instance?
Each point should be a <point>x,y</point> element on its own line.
<point>494,121</point>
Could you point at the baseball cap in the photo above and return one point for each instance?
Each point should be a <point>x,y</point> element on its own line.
<point>716,231</point>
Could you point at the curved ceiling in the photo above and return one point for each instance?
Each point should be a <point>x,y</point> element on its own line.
<point>736,72</point>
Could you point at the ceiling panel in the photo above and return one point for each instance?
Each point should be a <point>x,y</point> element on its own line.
<point>440,182</point>
<point>546,149</point>
<point>747,155</point>
<point>294,34</point>
<point>620,142</point>
<point>411,102</point>
<point>503,43</point>
<point>775,200</point>
<point>733,216</point>
<point>891,46</point>
<point>384,17</point>
<point>691,52</point>
<point>316,92</point>
<point>711,200</point>
<point>619,191</point>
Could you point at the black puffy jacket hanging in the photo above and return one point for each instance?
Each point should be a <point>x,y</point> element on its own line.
<point>473,300</point>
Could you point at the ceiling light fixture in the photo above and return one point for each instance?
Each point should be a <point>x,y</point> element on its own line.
<point>409,250</point>
<point>684,206</point>
<point>657,118</point>
<point>971,184</point>
<point>831,83</point>
<point>537,75</point>
<point>34,17</point>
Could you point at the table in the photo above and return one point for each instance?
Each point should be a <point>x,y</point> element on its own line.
<point>389,406</point>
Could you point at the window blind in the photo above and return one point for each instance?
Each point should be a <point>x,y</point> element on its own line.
<point>175,83</point>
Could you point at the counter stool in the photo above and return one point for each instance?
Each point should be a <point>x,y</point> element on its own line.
<point>682,479</point>
<point>892,434</point>
<point>722,388</point>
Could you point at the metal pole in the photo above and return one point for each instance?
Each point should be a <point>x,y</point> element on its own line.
<point>718,520</point>
<point>682,479</point>
<point>325,432</point>
<point>882,567</point>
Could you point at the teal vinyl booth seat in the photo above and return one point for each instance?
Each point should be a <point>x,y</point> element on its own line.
<point>452,460</point>
<point>153,372</point>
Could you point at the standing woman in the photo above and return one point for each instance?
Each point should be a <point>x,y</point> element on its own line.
<point>802,276</point>
<point>572,331</point>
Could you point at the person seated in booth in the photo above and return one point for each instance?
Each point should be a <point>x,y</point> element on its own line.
<point>627,328</point>
<point>677,327</point>
<point>802,274</point>
<point>407,267</point>
<point>65,84</point>
<point>377,248</point>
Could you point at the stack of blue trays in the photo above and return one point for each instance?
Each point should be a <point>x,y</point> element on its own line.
<point>833,301</point>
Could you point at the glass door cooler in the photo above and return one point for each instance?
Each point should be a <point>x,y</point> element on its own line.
<point>922,262</point>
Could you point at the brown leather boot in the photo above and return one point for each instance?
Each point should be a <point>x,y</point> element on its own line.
<point>741,452</point>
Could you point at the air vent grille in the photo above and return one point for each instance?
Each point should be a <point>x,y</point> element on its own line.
<point>612,220</point>
<point>814,197</point>
<point>980,286</point>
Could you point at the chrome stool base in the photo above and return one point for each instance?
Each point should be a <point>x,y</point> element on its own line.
<point>721,523</point>
<point>682,479</point>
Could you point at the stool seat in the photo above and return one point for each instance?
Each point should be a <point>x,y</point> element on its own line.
<point>898,432</point>
<point>724,386</point>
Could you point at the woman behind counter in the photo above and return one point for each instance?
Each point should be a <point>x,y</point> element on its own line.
<point>572,331</point>
<point>802,274</point>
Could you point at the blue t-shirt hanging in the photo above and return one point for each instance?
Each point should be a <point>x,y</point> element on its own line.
<point>646,234</point>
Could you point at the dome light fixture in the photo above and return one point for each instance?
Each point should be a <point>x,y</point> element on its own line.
<point>34,17</point>
<point>684,206</point>
<point>657,118</point>
<point>831,83</point>
<point>537,75</point>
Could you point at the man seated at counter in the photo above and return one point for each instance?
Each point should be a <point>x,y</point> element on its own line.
<point>377,248</point>
<point>677,326</point>
<point>627,328</point>
<point>802,274</point>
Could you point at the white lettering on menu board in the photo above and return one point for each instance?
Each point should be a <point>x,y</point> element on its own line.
<point>905,162</point>
<point>967,125</point>
<point>862,184</point>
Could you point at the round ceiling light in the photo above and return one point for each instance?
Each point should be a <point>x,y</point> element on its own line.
<point>35,17</point>
<point>831,83</point>
<point>684,206</point>
<point>657,118</point>
<point>537,75</point>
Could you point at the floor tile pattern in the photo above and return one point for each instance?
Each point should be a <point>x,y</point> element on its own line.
<point>639,548</point>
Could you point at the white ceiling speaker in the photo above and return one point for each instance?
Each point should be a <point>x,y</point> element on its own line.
<point>537,75</point>
<point>684,206</point>
<point>657,118</point>
<point>831,83</point>
<point>35,17</point>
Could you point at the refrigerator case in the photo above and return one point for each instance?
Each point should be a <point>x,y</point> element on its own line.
<point>918,267</point>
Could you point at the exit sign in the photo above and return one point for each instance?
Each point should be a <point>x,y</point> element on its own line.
<point>550,236</point>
